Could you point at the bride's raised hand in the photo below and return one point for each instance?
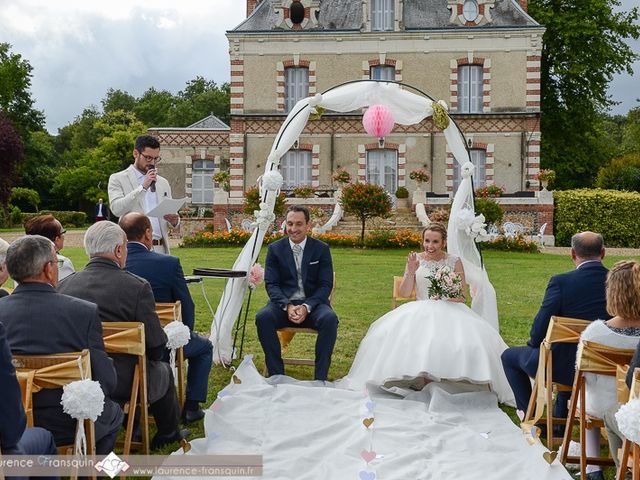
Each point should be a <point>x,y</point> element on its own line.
<point>413,262</point>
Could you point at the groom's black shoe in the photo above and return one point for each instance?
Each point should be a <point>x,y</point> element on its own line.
<point>191,416</point>
<point>160,440</point>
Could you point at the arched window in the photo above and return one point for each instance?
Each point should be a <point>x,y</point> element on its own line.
<point>383,72</point>
<point>202,181</point>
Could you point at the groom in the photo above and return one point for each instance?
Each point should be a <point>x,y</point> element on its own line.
<point>299,278</point>
<point>578,294</point>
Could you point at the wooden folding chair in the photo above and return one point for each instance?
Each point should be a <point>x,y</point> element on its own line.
<point>560,330</point>
<point>128,338</point>
<point>629,454</point>
<point>285,335</point>
<point>167,313</point>
<point>601,360</point>
<point>38,372</point>
<point>396,297</point>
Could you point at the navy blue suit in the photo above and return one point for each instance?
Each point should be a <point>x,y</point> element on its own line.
<point>577,294</point>
<point>15,438</point>
<point>41,321</point>
<point>166,277</point>
<point>281,282</point>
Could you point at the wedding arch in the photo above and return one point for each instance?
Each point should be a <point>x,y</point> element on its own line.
<point>407,108</point>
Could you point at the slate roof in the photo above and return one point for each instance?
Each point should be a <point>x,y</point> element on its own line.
<point>418,15</point>
<point>211,122</point>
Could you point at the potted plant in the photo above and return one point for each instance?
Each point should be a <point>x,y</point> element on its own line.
<point>304,191</point>
<point>222,179</point>
<point>341,177</point>
<point>420,176</point>
<point>490,191</point>
<point>402,195</point>
<point>546,176</point>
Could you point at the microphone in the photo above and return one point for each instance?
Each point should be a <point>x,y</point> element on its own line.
<point>152,187</point>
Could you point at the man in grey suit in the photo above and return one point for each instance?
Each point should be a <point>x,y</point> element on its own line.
<point>124,297</point>
<point>40,321</point>
<point>139,188</point>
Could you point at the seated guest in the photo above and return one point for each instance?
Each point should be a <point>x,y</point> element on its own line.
<point>4,273</point>
<point>622,331</point>
<point>578,294</point>
<point>15,437</point>
<point>124,297</point>
<point>40,321</point>
<point>49,227</point>
<point>166,277</point>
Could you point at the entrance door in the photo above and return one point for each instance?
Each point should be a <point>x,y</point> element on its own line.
<point>382,169</point>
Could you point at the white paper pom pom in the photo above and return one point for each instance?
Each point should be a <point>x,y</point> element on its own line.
<point>272,180</point>
<point>628,418</point>
<point>83,399</point>
<point>315,100</point>
<point>178,334</point>
<point>467,170</point>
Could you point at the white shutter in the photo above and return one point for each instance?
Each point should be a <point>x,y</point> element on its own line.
<point>475,102</point>
<point>463,89</point>
<point>479,159</point>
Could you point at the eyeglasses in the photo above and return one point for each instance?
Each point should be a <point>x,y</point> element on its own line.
<point>62,232</point>
<point>59,262</point>
<point>149,158</point>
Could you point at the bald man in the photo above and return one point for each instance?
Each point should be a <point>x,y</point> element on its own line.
<point>577,294</point>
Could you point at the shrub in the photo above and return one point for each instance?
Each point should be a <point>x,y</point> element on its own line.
<point>393,239</point>
<point>365,200</point>
<point>222,178</point>
<point>547,175</point>
<point>621,174</point>
<point>338,240</point>
<point>440,214</point>
<point>66,218</point>
<point>304,191</point>
<point>25,198</point>
<point>612,213</point>
<point>490,209</point>
<point>252,202</point>
<point>15,217</point>
<point>489,191</point>
<point>516,244</point>
<point>232,238</point>
<point>402,192</point>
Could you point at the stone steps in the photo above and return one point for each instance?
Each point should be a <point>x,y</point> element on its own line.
<point>399,220</point>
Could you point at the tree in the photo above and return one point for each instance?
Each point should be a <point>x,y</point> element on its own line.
<point>11,154</point>
<point>118,100</point>
<point>631,132</point>
<point>15,95</point>
<point>583,48</point>
<point>153,107</point>
<point>365,200</point>
<point>199,99</point>
<point>623,173</point>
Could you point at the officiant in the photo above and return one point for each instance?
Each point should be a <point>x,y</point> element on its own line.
<point>139,188</point>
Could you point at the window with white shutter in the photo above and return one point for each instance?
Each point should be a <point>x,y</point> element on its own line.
<point>296,85</point>
<point>470,88</point>
<point>382,15</point>
<point>202,181</point>
<point>295,167</point>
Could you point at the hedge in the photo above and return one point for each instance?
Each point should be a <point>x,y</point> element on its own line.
<point>66,218</point>
<point>612,213</point>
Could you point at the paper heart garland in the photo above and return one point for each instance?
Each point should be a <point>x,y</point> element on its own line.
<point>368,455</point>
<point>216,406</point>
<point>368,421</point>
<point>370,406</point>
<point>550,456</point>
<point>236,380</point>
<point>364,475</point>
<point>186,446</point>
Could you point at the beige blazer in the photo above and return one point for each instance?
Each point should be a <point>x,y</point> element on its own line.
<point>126,195</point>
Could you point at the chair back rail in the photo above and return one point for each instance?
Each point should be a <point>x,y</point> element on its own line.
<point>396,297</point>
<point>167,313</point>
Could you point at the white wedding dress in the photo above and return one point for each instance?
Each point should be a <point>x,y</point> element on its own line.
<point>436,339</point>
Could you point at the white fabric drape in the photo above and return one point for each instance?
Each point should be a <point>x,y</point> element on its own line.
<point>407,108</point>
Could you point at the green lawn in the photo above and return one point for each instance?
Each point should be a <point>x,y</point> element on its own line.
<point>363,293</point>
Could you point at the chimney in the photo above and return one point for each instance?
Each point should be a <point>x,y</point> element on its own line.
<point>523,4</point>
<point>251,6</point>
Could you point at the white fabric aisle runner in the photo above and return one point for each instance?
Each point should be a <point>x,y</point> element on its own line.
<point>308,431</point>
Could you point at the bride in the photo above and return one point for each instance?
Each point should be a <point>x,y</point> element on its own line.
<point>433,338</point>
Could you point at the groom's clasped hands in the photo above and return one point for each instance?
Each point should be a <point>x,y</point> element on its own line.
<point>297,313</point>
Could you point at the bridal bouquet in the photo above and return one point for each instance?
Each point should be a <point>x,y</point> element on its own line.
<point>445,283</point>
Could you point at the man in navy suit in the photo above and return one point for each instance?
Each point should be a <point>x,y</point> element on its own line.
<point>41,321</point>
<point>15,438</point>
<point>299,279</point>
<point>166,277</point>
<point>578,294</point>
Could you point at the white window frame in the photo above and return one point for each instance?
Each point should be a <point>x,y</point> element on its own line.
<point>202,182</point>
<point>382,15</point>
<point>296,81</point>
<point>388,158</point>
<point>478,157</point>
<point>295,167</point>
<point>470,87</point>
<point>385,73</point>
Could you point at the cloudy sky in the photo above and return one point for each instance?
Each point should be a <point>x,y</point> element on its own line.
<point>80,48</point>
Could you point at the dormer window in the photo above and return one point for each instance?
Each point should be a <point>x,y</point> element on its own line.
<point>296,13</point>
<point>382,15</point>
<point>470,10</point>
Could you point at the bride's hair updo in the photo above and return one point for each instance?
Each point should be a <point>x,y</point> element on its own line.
<point>623,290</point>
<point>436,227</point>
